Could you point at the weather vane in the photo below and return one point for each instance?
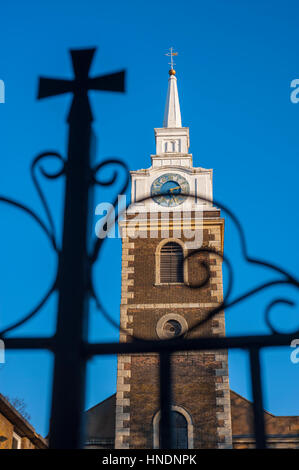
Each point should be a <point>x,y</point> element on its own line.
<point>170,54</point>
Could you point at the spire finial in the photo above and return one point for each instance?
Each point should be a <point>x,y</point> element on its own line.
<point>172,115</point>
<point>170,54</point>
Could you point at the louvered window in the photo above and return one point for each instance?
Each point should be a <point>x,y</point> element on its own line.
<point>171,263</point>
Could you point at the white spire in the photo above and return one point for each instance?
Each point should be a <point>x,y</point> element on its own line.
<point>172,140</point>
<point>172,115</point>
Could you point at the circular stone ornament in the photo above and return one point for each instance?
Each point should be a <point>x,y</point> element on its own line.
<point>171,325</point>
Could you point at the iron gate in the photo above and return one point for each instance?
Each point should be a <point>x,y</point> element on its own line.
<point>74,285</point>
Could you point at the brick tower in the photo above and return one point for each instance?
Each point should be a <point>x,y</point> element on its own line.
<point>157,301</point>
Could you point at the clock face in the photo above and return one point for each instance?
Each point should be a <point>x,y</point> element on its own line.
<point>169,190</point>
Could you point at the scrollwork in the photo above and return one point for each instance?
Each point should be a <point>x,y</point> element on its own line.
<point>49,229</point>
<point>285,278</point>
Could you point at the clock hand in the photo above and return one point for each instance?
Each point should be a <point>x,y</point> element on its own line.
<point>172,189</point>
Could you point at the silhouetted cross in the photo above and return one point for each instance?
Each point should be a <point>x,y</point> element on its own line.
<point>74,265</point>
<point>81,84</point>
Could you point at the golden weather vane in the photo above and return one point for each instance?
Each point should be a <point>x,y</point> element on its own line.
<point>170,54</point>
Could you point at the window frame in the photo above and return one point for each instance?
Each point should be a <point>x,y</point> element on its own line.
<point>18,439</point>
<point>158,263</point>
<point>156,426</point>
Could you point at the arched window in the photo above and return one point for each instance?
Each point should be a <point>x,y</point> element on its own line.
<point>182,429</point>
<point>171,263</point>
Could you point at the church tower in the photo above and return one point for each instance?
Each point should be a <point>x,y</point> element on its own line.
<point>158,301</point>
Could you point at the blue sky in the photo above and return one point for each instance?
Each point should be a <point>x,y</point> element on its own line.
<point>236,61</point>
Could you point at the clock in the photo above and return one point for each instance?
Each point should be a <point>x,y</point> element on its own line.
<point>169,190</point>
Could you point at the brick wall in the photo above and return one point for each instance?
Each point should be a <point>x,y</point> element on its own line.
<point>200,379</point>
<point>6,430</point>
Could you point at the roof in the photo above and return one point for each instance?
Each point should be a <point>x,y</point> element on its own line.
<point>100,420</point>
<point>24,427</point>
<point>242,419</point>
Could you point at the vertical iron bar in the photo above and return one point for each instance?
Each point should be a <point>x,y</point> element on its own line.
<point>166,431</point>
<point>66,427</point>
<point>257,394</point>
